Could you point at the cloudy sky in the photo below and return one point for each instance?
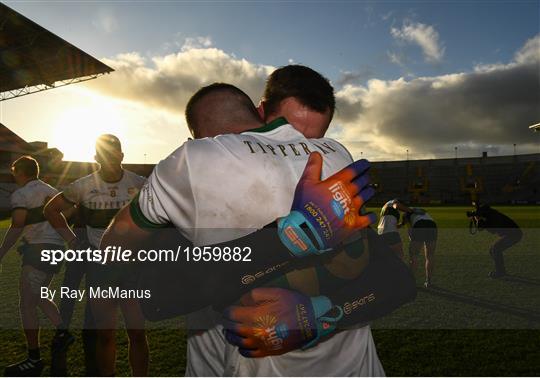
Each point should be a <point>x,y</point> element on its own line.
<point>418,76</point>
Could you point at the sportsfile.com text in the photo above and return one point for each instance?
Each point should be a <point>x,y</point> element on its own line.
<point>118,254</point>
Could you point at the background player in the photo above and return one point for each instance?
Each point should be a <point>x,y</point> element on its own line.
<point>27,219</point>
<point>98,198</point>
<point>388,225</point>
<point>495,222</point>
<point>422,234</point>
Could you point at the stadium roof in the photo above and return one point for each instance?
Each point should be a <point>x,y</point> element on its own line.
<point>9,141</point>
<point>33,59</point>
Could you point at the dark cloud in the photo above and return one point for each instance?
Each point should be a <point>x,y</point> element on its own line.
<point>482,110</point>
<point>355,77</point>
<point>488,107</point>
<point>348,109</point>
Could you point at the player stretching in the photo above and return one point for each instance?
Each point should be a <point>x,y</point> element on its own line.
<point>422,234</point>
<point>388,225</point>
<point>27,219</point>
<point>98,197</point>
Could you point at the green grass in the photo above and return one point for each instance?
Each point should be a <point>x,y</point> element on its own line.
<point>471,325</point>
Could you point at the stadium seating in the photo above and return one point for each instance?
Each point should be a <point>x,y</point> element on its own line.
<point>498,179</point>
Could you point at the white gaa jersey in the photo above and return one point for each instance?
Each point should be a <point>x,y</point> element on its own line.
<point>388,219</point>
<point>33,196</point>
<point>238,183</point>
<point>421,215</point>
<point>99,201</point>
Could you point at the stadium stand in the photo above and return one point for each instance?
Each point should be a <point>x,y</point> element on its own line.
<point>496,179</point>
<point>471,184</point>
<point>375,180</point>
<point>32,59</point>
<point>419,186</point>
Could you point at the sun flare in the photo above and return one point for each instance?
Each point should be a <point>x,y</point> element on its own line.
<point>76,129</point>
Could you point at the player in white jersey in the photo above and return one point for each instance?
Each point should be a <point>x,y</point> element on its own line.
<point>27,220</point>
<point>168,199</point>
<point>306,100</point>
<point>423,235</point>
<point>388,224</point>
<point>267,163</point>
<point>98,197</point>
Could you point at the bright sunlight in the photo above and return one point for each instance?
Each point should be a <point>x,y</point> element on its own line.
<point>77,128</point>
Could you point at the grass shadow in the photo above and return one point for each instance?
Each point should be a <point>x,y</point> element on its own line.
<point>522,280</point>
<point>527,314</point>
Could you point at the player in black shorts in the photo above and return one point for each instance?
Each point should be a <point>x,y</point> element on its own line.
<point>73,276</point>
<point>422,234</point>
<point>388,225</point>
<point>98,197</point>
<point>495,222</point>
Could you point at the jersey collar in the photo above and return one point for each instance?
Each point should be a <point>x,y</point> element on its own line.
<point>29,182</point>
<point>111,182</point>
<point>270,126</point>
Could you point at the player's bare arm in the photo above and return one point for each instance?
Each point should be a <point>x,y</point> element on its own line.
<point>18,218</point>
<point>402,207</point>
<point>54,212</point>
<point>124,232</point>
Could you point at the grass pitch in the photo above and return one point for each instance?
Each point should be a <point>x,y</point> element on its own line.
<point>467,325</point>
